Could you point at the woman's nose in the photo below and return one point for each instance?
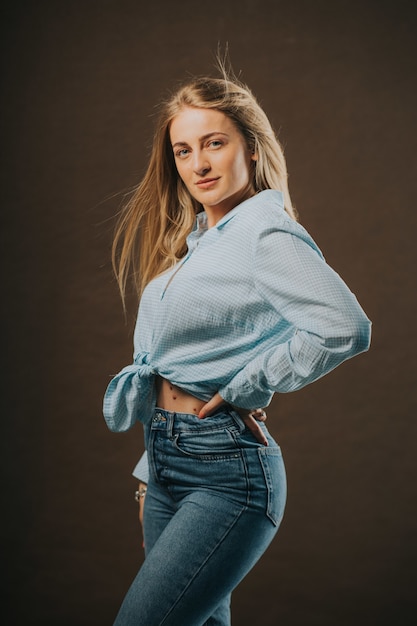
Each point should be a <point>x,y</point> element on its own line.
<point>201,165</point>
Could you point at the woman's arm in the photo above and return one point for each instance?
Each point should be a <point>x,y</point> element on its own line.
<point>329,326</point>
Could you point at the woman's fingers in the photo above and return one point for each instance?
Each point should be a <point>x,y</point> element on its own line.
<point>254,427</point>
<point>213,404</point>
<point>251,419</point>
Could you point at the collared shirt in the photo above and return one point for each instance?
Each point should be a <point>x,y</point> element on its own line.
<point>252,309</point>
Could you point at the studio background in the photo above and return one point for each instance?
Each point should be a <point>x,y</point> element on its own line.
<point>80,82</point>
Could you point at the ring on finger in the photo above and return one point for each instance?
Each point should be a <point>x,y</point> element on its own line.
<point>258,414</point>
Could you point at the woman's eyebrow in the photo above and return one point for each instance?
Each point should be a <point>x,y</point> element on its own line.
<point>203,138</point>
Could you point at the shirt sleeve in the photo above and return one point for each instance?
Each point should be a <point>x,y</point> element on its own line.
<point>141,471</point>
<point>328,325</point>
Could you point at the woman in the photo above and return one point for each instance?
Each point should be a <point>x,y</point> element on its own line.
<point>236,303</point>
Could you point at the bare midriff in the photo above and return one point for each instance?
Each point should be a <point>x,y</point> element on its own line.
<point>172,398</point>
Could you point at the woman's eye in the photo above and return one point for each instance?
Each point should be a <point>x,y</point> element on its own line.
<point>215,143</point>
<point>182,153</point>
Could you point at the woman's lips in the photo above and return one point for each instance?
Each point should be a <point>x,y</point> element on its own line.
<point>206,183</point>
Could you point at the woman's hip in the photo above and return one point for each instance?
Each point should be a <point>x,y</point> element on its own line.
<point>218,455</point>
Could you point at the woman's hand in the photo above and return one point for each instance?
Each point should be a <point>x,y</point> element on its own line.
<point>250,418</point>
<point>140,499</point>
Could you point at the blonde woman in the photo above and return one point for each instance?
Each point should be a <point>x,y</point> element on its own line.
<point>236,303</point>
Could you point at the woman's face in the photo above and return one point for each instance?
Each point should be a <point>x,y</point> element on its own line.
<point>212,159</point>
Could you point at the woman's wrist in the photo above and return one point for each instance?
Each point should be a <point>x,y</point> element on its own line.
<point>141,491</point>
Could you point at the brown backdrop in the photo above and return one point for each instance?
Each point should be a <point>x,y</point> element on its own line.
<point>80,81</point>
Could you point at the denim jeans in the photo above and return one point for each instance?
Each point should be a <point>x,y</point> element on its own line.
<point>214,502</point>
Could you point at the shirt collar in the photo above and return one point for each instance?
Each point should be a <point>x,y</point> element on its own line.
<point>200,225</point>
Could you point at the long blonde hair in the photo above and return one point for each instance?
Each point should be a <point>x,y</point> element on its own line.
<point>151,233</point>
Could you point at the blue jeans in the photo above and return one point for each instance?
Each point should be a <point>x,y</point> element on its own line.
<point>214,502</point>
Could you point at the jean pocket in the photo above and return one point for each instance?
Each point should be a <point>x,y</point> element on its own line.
<point>213,445</point>
<point>275,480</point>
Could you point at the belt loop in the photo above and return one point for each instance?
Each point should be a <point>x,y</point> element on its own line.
<point>170,423</point>
<point>239,421</point>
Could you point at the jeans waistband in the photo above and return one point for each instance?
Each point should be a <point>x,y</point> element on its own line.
<point>174,422</point>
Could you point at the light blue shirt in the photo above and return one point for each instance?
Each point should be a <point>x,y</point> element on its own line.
<point>252,309</point>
